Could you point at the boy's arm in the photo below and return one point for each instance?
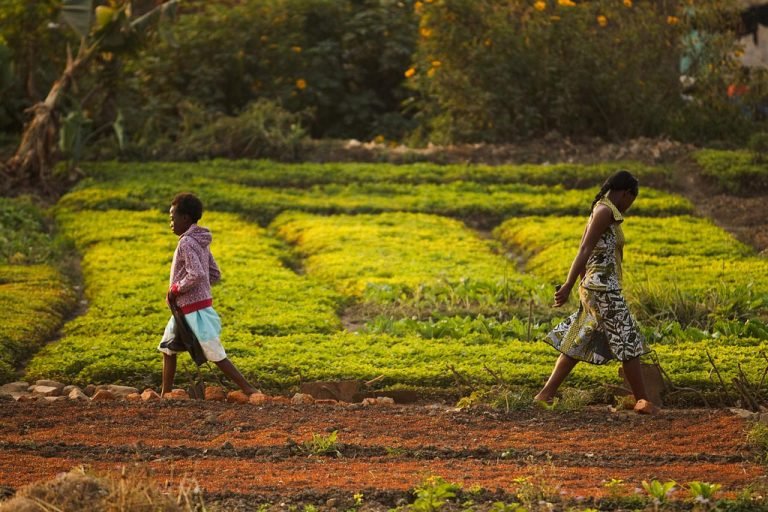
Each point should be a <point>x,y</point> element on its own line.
<point>194,268</point>
<point>214,274</point>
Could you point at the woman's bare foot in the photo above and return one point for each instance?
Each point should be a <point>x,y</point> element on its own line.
<point>543,399</point>
<point>645,407</point>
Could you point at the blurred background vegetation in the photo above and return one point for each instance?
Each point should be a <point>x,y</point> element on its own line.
<point>256,78</point>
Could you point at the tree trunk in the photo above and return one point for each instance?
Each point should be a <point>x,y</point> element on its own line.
<point>32,164</point>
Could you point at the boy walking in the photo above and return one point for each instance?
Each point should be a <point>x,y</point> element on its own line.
<point>193,271</point>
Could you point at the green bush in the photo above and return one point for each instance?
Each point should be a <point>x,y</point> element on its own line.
<point>262,130</point>
<point>338,62</point>
<point>758,145</point>
<point>23,237</point>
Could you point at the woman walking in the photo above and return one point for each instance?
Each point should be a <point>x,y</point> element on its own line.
<point>602,329</point>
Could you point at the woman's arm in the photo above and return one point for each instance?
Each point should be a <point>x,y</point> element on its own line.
<point>601,221</point>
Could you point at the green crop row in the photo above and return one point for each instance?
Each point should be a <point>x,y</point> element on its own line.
<point>280,327</point>
<point>34,296</point>
<point>265,173</point>
<point>126,259</point>
<point>734,171</point>
<point>682,269</point>
<point>481,203</point>
<point>425,261</point>
<point>34,300</point>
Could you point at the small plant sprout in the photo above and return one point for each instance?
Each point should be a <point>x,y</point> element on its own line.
<point>323,445</point>
<point>702,493</point>
<point>500,506</point>
<point>659,491</point>
<point>757,436</point>
<point>358,498</point>
<point>615,487</point>
<point>432,494</point>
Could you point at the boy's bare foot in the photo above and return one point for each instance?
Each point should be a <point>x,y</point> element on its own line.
<point>645,407</point>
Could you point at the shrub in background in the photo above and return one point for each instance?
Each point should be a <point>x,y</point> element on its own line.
<point>493,70</point>
<point>339,63</point>
<point>262,130</point>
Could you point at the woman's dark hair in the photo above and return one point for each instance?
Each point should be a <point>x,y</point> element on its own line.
<point>620,180</point>
<point>188,204</point>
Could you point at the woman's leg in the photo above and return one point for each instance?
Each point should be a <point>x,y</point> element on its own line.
<point>634,374</point>
<point>233,373</point>
<point>562,368</point>
<point>169,372</point>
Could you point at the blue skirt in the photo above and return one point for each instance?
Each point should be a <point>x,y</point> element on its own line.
<point>206,325</point>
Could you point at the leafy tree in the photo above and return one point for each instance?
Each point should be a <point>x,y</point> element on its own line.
<point>105,29</point>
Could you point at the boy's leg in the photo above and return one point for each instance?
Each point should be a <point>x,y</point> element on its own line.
<point>229,369</point>
<point>169,372</point>
<point>562,368</point>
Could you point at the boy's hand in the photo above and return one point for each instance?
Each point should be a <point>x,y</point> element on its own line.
<point>171,296</point>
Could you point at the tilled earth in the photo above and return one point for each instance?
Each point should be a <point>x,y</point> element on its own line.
<point>257,453</point>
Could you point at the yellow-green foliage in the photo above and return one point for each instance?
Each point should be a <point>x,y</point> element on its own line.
<point>126,263</point>
<point>685,260</point>
<point>734,171</point>
<point>34,297</point>
<point>281,326</point>
<point>228,189</point>
<point>267,173</point>
<point>33,301</point>
<point>393,256</point>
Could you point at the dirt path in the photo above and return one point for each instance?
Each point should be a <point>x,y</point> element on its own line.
<point>257,452</point>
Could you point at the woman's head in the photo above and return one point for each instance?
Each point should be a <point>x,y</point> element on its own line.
<point>186,209</point>
<point>621,187</point>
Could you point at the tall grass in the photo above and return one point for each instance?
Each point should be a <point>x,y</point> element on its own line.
<point>132,489</point>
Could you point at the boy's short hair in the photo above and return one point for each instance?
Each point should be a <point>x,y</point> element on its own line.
<point>188,204</point>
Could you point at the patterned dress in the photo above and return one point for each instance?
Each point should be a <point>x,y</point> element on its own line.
<point>602,329</point>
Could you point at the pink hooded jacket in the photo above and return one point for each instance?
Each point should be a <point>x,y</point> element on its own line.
<point>194,270</point>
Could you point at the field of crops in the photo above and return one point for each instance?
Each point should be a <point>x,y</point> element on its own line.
<point>417,273</point>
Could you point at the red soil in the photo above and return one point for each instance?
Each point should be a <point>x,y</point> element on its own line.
<point>251,450</point>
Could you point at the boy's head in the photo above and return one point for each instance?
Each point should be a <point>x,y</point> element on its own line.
<point>186,209</point>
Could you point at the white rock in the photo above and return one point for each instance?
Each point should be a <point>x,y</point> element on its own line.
<point>51,383</point>
<point>119,391</point>
<point>46,390</point>
<point>302,399</point>
<point>14,387</point>
<point>742,413</point>
<point>77,394</point>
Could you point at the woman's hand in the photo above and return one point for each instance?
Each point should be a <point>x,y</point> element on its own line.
<point>562,293</point>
